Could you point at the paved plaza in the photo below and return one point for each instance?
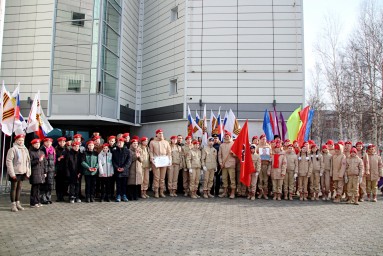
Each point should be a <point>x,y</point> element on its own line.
<point>184,226</point>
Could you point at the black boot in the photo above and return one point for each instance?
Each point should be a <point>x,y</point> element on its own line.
<point>102,198</point>
<point>108,197</point>
<point>91,199</point>
<point>87,199</point>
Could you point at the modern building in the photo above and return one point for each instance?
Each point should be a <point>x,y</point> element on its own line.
<point>135,65</point>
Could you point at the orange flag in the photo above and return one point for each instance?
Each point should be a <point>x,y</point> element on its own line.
<point>241,148</point>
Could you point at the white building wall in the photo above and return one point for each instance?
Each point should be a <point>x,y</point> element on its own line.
<point>246,53</point>
<point>128,57</point>
<point>163,54</point>
<point>26,56</point>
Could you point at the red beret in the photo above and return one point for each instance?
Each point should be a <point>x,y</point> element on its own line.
<point>19,136</point>
<point>35,141</point>
<point>341,142</point>
<point>262,136</point>
<point>105,145</point>
<point>133,140</point>
<point>324,147</point>
<point>313,146</point>
<point>121,139</point>
<point>353,150</point>
<point>254,138</point>
<point>90,142</point>
<point>61,139</point>
<point>77,136</point>
<point>330,142</point>
<point>96,137</point>
<point>76,143</point>
<point>348,143</point>
<point>336,146</point>
<point>195,142</point>
<point>287,141</point>
<point>111,137</point>
<point>227,133</point>
<point>371,146</point>
<point>173,137</point>
<point>188,137</point>
<point>295,141</point>
<point>48,139</point>
<point>359,143</point>
<point>158,131</point>
<point>144,138</point>
<point>125,135</point>
<point>311,142</point>
<point>289,145</point>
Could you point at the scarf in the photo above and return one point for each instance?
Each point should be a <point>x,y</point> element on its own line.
<point>51,151</point>
<point>276,161</point>
<point>19,153</point>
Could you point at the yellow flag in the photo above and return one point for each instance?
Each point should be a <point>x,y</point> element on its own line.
<point>293,125</point>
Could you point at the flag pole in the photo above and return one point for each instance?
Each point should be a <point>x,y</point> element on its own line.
<point>2,165</point>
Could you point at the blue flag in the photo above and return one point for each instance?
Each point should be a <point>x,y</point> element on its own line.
<point>267,127</point>
<point>309,123</point>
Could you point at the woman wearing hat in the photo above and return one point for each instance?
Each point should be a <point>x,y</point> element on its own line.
<point>61,182</point>
<point>135,170</point>
<point>106,171</point>
<point>18,168</point>
<point>38,172</point>
<point>90,165</point>
<point>145,166</point>
<point>46,188</point>
<point>73,167</point>
<point>325,179</point>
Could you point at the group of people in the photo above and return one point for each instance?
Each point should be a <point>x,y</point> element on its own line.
<point>119,169</point>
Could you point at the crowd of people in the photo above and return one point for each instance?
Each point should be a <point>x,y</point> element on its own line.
<point>119,169</point>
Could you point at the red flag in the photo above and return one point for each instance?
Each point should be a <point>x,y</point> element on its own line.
<point>241,148</point>
<point>303,116</point>
<point>272,122</point>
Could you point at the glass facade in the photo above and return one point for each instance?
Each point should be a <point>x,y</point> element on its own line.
<point>110,47</point>
<point>86,55</point>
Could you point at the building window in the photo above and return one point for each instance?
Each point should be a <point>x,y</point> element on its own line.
<point>74,85</point>
<point>174,14</point>
<point>173,87</point>
<point>78,19</point>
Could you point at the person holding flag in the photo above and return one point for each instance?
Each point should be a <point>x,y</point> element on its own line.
<point>226,160</point>
<point>277,171</point>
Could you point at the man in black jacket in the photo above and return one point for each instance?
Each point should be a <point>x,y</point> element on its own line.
<point>121,160</point>
<point>61,182</point>
<point>217,174</point>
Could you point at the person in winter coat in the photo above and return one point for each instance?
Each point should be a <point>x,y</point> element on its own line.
<point>145,166</point>
<point>121,160</point>
<point>38,172</point>
<point>18,168</point>
<point>73,167</point>
<point>90,167</point>
<point>46,188</point>
<point>61,182</point>
<point>174,169</point>
<point>135,171</point>
<point>376,171</point>
<point>106,171</point>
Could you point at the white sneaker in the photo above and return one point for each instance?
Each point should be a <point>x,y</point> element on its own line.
<point>35,206</point>
<point>78,200</point>
<point>71,201</point>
